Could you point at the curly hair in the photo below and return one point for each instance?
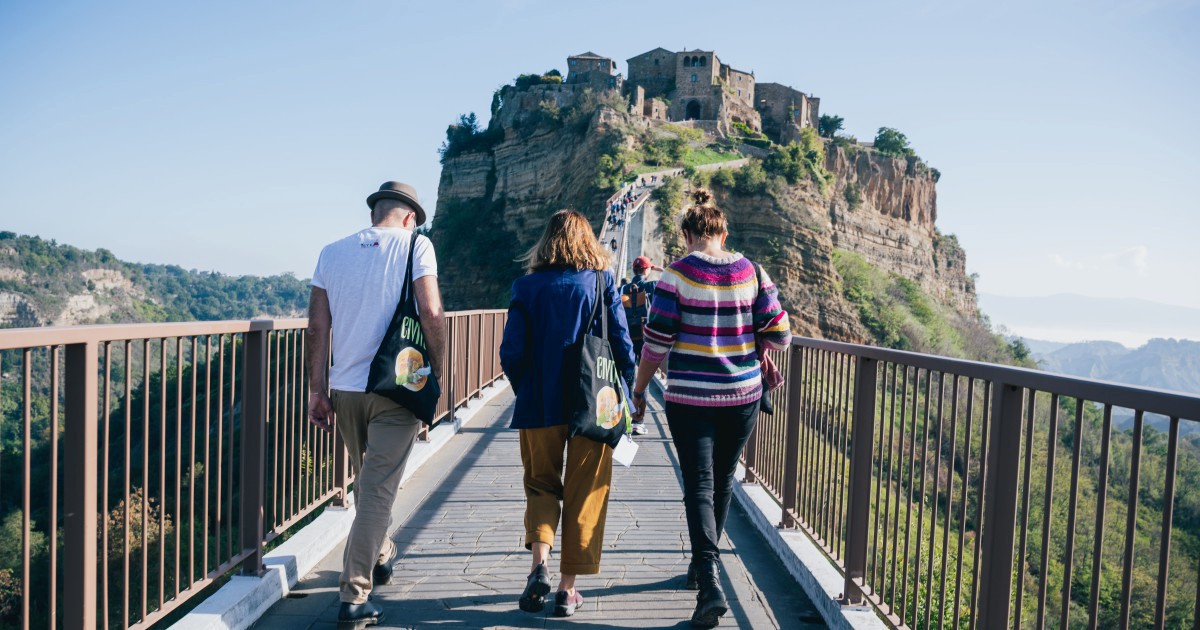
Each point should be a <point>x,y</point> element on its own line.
<point>703,219</point>
<point>567,241</point>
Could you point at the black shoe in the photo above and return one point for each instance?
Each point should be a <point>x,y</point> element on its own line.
<point>533,599</point>
<point>382,573</point>
<point>692,583</point>
<point>710,601</point>
<point>565,603</point>
<point>361,615</point>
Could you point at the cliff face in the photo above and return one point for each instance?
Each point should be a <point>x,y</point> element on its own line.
<point>890,224</point>
<point>492,204</point>
<point>893,225</point>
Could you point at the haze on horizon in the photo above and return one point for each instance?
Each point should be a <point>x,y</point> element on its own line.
<point>241,138</point>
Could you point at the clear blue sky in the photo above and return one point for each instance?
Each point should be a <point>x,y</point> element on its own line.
<point>241,136</point>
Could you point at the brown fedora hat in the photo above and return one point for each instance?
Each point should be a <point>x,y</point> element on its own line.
<point>402,192</point>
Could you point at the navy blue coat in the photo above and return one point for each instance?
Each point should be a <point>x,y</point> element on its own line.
<point>546,316</point>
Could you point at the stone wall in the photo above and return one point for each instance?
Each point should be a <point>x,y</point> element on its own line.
<point>741,84</point>
<point>655,109</point>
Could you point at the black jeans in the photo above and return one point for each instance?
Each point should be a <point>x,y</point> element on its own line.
<point>709,441</point>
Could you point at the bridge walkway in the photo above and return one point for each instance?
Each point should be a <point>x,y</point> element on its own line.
<point>462,562</point>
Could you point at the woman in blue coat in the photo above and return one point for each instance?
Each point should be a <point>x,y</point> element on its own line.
<point>550,307</point>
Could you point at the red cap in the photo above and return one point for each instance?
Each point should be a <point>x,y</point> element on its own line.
<point>641,262</point>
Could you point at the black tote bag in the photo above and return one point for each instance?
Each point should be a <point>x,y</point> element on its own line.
<point>595,394</point>
<point>400,370</point>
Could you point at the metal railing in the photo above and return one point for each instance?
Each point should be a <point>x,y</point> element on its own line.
<point>960,494</point>
<point>140,464</point>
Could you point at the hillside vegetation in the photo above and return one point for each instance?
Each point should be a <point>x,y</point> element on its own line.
<point>44,283</point>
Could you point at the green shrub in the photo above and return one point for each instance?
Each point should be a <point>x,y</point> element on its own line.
<point>466,136</point>
<point>829,125</point>
<point>745,131</point>
<point>845,141</point>
<point>723,178</point>
<point>891,142</point>
<point>580,114</point>
<point>800,159</point>
<point>553,77</point>
<point>751,179</point>
<point>665,150</point>
<point>853,195</point>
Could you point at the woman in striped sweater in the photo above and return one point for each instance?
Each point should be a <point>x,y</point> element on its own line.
<point>707,310</point>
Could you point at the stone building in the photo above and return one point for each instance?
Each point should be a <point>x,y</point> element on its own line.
<point>697,85</point>
<point>691,85</point>
<point>655,71</point>
<point>592,70</point>
<point>785,110</point>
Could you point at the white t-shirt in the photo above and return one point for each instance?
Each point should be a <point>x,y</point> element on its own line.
<point>364,276</point>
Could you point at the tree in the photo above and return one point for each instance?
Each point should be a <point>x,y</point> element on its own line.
<point>829,125</point>
<point>891,142</point>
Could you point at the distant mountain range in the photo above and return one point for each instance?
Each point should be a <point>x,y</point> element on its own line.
<point>1162,363</point>
<point>1170,364</point>
<point>1073,318</point>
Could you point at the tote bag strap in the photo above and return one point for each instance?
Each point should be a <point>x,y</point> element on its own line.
<point>406,292</point>
<point>596,308</point>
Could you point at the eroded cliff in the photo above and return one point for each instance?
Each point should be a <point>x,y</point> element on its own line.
<point>856,206</point>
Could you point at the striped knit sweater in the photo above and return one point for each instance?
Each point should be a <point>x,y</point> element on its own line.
<point>704,315</point>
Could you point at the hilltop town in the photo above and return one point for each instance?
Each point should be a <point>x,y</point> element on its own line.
<point>695,86</point>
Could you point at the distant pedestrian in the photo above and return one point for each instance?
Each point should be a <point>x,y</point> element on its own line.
<point>551,309</point>
<point>613,244</point>
<point>635,299</point>
<point>356,288</point>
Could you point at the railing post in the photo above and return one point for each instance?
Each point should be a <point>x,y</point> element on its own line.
<point>79,482</point>
<point>750,455</point>
<point>448,361</point>
<point>862,442</point>
<point>1000,507</point>
<point>791,448</point>
<point>341,471</point>
<point>254,451</point>
<point>479,343</point>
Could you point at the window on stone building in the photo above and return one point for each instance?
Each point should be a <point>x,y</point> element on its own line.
<point>695,78</point>
<point>702,62</point>
<point>656,62</point>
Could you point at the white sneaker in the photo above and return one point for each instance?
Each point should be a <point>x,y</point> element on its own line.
<point>639,428</point>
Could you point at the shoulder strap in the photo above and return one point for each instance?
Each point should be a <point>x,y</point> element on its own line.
<point>407,292</point>
<point>596,306</point>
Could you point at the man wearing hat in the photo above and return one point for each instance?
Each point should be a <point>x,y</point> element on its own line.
<point>635,297</point>
<point>356,288</point>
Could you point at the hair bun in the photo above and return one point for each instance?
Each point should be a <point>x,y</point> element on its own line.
<point>701,196</point>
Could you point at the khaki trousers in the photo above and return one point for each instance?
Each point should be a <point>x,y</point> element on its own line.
<point>379,436</point>
<point>582,488</point>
